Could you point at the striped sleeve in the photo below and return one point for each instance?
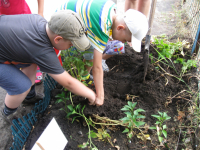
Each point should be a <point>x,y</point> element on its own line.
<point>96,15</point>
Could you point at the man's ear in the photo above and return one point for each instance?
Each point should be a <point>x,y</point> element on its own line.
<point>57,39</point>
<point>120,27</point>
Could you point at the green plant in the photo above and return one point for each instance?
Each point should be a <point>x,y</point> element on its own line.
<point>166,51</point>
<point>187,65</point>
<point>103,135</point>
<point>160,126</point>
<point>74,64</point>
<point>132,119</point>
<point>63,99</point>
<point>78,112</point>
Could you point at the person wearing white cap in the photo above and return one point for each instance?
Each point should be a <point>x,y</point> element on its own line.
<point>142,6</point>
<point>28,40</point>
<point>136,24</point>
<point>102,22</point>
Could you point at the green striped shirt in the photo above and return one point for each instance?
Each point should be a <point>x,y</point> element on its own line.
<point>97,17</point>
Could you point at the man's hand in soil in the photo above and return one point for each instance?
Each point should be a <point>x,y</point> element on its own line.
<point>99,101</point>
<point>91,101</point>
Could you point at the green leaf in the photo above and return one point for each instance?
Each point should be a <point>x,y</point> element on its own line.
<point>135,113</point>
<point>130,124</point>
<point>61,109</point>
<point>164,133</point>
<point>74,118</point>
<point>164,127</point>
<point>156,116</point>
<point>153,128</point>
<point>93,134</point>
<point>126,130</point>
<point>82,72</point>
<point>133,104</point>
<point>126,108</point>
<point>125,119</point>
<point>140,110</point>
<point>62,95</point>
<point>74,111</point>
<point>140,116</point>
<point>167,118</point>
<point>78,106</point>
<point>71,108</point>
<point>164,115</point>
<point>157,122</point>
<point>68,114</point>
<point>82,109</point>
<point>139,123</point>
<point>160,139</point>
<point>59,101</point>
<point>130,135</point>
<point>128,114</point>
<point>161,114</point>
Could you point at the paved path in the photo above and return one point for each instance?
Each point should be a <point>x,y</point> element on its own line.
<point>159,27</point>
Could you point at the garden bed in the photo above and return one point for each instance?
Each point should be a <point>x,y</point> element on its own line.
<point>161,92</point>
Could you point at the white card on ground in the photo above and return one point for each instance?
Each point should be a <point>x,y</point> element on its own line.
<point>52,138</point>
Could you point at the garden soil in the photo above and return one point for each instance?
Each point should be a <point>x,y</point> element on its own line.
<point>159,92</point>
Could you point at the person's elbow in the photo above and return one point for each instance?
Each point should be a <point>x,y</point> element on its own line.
<point>97,68</point>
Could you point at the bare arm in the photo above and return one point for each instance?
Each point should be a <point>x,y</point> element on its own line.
<point>40,7</point>
<point>141,5</point>
<point>74,86</point>
<point>97,72</point>
<point>131,4</point>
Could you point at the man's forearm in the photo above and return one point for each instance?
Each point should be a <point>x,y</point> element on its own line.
<point>74,85</point>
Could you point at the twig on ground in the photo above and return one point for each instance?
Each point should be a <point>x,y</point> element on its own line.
<point>113,67</point>
<point>178,139</point>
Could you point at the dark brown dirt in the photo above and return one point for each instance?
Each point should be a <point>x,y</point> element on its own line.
<point>126,77</point>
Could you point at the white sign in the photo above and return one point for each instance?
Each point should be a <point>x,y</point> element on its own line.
<point>52,138</point>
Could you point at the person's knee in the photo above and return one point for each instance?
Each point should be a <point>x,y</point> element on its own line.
<point>13,80</point>
<point>22,87</point>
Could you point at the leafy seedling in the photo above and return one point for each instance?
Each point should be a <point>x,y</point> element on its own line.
<point>78,112</point>
<point>160,126</point>
<point>132,119</point>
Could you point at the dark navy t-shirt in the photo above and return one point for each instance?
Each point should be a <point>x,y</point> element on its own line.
<point>23,39</point>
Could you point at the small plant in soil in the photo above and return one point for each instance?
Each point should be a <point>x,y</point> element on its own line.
<point>132,119</point>
<point>103,135</point>
<point>160,126</point>
<point>186,65</point>
<point>63,99</point>
<point>78,112</point>
<point>74,64</point>
<point>167,50</point>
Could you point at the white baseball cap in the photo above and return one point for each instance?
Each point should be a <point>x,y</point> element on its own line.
<point>138,25</point>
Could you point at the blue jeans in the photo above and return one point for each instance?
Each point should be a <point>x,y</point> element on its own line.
<point>13,80</point>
